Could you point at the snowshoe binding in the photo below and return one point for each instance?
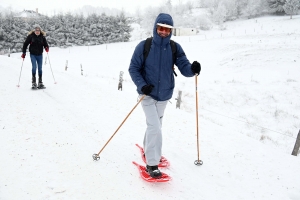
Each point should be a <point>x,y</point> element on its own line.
<point>41,86</point>
<point>153,171</point>
<point>34,86</point>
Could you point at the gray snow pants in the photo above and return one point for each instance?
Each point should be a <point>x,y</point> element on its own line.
<point>154,112</point>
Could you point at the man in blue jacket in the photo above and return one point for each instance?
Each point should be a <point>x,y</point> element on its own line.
<point>154,78</point>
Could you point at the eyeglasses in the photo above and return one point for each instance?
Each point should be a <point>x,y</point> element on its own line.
<point>37,30</point>
<point>161,28</point>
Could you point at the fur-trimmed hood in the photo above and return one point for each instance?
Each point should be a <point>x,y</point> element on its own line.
<point>42,32</point>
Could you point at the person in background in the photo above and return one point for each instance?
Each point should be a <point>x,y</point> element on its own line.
<point>154,78</point>
<point>36,41</point>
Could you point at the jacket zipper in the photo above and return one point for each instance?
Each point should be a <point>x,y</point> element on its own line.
<point>159,71</point>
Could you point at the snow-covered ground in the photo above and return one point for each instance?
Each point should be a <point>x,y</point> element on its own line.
<point>249,118</point>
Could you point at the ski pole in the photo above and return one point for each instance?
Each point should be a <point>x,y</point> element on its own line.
<point>96,157</point>
<point>51,68</point>
<point>197,162</point>
<point>20,73</point>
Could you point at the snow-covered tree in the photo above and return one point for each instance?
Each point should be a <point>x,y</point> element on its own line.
<point>212,3</point>
<point>219,15</point>
<point>1,34</point>
<point>169,6</point>
<point>277,6</point>
<point>204,23</point>
<point>201,3</point>
<point>241,5</point>
<point>189,5</point>
<point>1,29</point>
<point>123,27</point>
<point>138,15</point>
<point>253,8</point>
<point>148,19</point>
<point>291,7</point>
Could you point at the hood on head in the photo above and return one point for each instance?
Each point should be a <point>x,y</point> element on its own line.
<point>165,20</point>
<point>37,26</point>
<point>32,32</point>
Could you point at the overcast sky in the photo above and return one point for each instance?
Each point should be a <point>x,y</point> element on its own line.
<point>49,6</point>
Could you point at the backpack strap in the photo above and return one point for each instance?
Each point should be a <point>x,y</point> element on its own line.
<point>146,51</point>
<point>174,52</point>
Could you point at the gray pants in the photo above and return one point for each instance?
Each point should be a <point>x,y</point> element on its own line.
<point>154,112</point>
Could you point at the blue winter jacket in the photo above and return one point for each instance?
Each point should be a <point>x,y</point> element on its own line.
<point>158,69</point>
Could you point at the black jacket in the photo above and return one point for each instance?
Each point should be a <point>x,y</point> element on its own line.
<point>37,42</point>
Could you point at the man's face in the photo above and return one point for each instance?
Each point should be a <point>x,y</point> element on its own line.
<point>163,31</point>
<point>37,31</point>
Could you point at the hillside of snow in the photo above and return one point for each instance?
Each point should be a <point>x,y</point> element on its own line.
<point>249,111</point>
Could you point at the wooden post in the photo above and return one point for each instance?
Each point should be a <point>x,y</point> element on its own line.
<point>297,145</point>
<point>66,67</point>
<point>178,100</point>
<point>120,87</point>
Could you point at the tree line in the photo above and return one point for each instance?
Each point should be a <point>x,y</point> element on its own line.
<point>64,30</point>
<point>215,12</point>
<point>68,29</point>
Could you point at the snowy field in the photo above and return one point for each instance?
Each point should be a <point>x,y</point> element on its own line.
<point>249,118</point>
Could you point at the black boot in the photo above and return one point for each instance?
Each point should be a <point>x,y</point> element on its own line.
<point>34,81</point>
<point>41,85</point>
<point>153,171</point>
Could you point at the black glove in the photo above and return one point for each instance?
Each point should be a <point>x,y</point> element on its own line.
<point>196,67</point>
<point>147,89</point>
